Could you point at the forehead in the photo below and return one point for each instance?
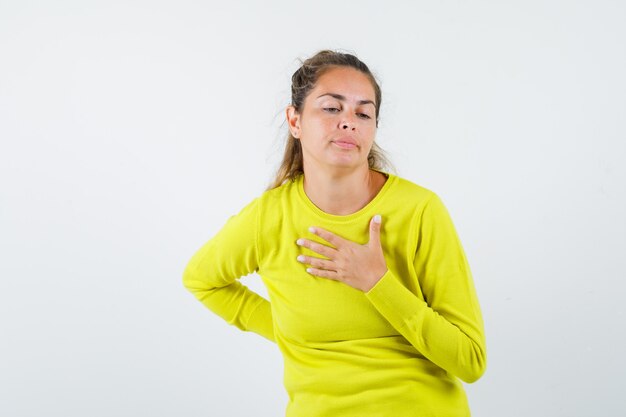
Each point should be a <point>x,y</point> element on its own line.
<point>346,81</point>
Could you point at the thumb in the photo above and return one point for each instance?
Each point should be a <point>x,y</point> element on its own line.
<point>375,225</point>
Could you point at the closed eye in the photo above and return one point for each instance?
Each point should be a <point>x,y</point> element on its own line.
<point>334,110</point>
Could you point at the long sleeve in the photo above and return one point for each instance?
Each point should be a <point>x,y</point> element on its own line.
<point>447,328</point>
<point>212,275</point>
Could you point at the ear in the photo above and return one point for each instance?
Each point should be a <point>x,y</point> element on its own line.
<point>293,120</point>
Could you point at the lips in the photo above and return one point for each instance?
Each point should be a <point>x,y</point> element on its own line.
<point>345,145</point>
<point>345,142</point>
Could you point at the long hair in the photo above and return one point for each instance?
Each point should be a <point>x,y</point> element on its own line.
<point>302,82</point>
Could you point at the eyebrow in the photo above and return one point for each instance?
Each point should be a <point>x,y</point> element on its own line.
<point>343,98</point>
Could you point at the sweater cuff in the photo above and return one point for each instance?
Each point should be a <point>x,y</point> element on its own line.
<point>394,301</point>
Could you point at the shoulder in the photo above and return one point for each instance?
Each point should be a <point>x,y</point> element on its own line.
<point>277,194</point>
<point>410,192</point>
<point>421,204</point>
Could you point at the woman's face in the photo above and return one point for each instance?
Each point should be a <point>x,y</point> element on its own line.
<point>337,126</point>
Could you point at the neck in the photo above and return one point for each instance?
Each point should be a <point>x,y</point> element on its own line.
<point>341,193</point>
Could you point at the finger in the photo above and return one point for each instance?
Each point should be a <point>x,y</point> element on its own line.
<point>322,273</point>
<point>327,236</point>
<point>375,230</point>
<point>319,248</point>
<point>316,262</point>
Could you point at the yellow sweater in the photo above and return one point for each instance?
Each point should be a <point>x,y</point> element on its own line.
<point>397,350</point>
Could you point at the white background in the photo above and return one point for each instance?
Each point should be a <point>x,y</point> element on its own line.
<point>131,130</point>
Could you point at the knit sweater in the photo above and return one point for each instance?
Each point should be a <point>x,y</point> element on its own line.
<point>400,349</point>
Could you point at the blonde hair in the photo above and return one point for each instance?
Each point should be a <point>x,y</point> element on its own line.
<point>302,82</point>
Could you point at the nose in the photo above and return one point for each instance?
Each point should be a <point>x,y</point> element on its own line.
<point>348,124</point>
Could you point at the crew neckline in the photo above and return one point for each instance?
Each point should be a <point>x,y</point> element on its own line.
<point>391,178</point>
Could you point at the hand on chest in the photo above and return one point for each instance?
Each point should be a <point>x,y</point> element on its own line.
<point>310,307</point>
<point>313,308</point>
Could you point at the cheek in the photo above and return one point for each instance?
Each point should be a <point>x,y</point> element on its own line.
<point>368,129</point>
<point>321,126</point>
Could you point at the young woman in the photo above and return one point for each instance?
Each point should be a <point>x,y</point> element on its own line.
<point>372,302</point>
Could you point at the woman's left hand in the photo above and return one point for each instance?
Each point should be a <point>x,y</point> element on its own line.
<point>359,266</point>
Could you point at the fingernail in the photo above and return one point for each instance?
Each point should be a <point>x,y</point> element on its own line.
<point>377,218</point>
<point>300,242</point>
<point>312,229</point>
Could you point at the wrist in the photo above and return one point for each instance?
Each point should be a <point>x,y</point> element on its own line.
<point>378,276</point>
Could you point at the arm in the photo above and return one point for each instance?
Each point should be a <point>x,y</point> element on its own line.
<point>448,327</point>
<point>212,274</point>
